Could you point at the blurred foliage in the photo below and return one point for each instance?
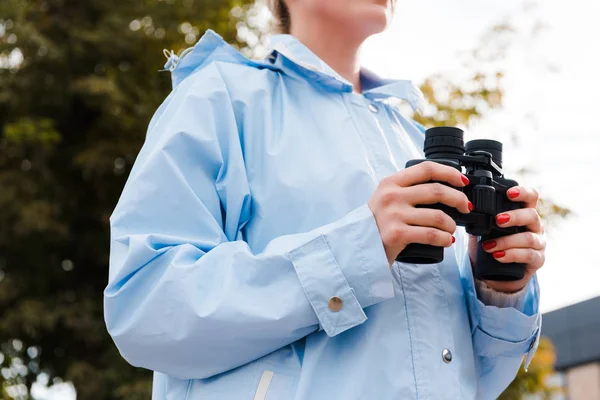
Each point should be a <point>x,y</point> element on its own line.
<point>454,104</point>
<point>550,211</point>
<point>460,102</point>
<point>535,380</point>
<point>79,82</point>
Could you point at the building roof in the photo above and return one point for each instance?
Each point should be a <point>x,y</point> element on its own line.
<point>575,332</point>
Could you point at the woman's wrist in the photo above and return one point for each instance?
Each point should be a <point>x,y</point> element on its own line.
<point>508,287</point>
<point>492,297</point>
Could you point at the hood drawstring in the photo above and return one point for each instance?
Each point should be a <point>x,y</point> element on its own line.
<point>173,59</point>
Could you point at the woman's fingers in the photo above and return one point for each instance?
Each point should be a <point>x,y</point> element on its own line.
<point>431,236</point>
<point>431,218</point>
<point>401,223</point>
<point>524,240</point>
<point>527,217</point>
<point>523,194</point>
<point>530,257</point>
<point>397,237</point>
<point>428,171</point>
<point>432,193</point>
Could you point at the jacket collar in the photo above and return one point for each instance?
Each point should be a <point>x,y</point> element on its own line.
<point>287,52</point>
<point>288,55</point>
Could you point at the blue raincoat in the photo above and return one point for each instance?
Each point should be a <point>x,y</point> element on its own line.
<point>246,265</point>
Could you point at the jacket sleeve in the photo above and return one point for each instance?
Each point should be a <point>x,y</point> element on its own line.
<point>186,295</point>
<point>501,336</point>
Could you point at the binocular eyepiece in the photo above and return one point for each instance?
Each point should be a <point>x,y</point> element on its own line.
<point>482,163</point>
<point>444,141</point>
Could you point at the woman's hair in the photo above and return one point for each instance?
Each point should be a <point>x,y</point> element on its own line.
<point>281,14</point>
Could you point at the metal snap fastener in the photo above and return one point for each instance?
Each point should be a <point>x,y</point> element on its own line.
<point>335,304</point>
<point>373,108</point>
<point>447,356</point>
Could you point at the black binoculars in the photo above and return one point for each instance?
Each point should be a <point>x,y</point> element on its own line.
<point>482,162</point>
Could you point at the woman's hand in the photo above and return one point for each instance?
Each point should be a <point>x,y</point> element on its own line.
<point>401,223</point>
<point>526,247</point>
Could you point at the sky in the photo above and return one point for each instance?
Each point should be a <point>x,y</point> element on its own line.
<point>551,87</point>
<point>551,98</point>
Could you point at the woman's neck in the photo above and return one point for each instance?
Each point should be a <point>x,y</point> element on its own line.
<point>339,52</point>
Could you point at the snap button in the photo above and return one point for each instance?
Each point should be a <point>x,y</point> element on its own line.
<point>447,356</point>
<point>335,304</point>
<point>373,108</point>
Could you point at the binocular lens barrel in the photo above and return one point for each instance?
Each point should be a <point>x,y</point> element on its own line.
<point>491,146</point>
<point>443,140</point>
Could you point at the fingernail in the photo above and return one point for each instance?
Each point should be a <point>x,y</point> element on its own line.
<point>499,254</point>
<point>513,193</point>
<point>453,239</point>
<point>502,218</point>
<point>471,206</point>
<point>465,180</point>
<point>489,245</point>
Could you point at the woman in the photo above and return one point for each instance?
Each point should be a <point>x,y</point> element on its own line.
<point>252,252</point>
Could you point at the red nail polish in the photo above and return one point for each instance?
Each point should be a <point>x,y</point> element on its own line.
<point>489,245</point>
<point>502,218</point>
<point>453,239</point>
<point>513,193</point>
<point>465,180</point>
<point>471,206</point>
<point>499,254</point>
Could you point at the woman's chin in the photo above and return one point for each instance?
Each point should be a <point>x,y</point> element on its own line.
<point>374,18</point>
<point>362,20</point>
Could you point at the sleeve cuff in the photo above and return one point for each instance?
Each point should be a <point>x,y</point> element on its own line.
<point>500,331</point>
<point>359,251</point>
<point>347,260</point>
<point>509,332</point>
<point>491,297</point>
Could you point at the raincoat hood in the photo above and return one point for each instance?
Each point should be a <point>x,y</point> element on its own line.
<point>210,48</point>
<point>287,55</point>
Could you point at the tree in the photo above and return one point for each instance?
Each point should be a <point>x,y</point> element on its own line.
<point>79,82</point>
<point>453,103</point>
<point>478,89</point>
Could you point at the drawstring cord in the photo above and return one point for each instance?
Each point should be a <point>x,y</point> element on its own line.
<point>173,59</point>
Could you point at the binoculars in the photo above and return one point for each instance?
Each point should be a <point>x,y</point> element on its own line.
<point>482,163</point>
